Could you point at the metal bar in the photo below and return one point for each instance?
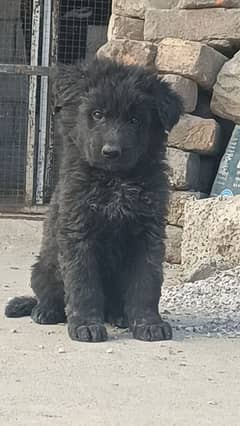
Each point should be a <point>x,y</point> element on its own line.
<point>29,212</point>
<point>32,105</point>
<point>38,218</point>
<point>24,69</point>
<point>43,104</point>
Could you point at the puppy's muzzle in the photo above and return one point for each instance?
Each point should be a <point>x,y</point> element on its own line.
<point>111,152</point>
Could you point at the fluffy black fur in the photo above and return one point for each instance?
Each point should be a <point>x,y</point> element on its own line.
<point>102,249</point>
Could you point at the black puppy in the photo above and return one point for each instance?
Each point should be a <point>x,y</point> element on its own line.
<point>103,242</point>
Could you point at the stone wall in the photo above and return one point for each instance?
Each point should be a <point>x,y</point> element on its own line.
<point>190,44</point>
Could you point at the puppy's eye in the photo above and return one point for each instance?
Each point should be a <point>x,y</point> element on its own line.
<point>134,121</point>
<point>97,115</point>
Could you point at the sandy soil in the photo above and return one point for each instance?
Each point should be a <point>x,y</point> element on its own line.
<point>46,379</point>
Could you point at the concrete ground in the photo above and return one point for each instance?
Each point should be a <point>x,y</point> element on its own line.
<point>47,379</point>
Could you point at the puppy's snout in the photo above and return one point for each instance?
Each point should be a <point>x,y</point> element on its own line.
<point>111,152</point>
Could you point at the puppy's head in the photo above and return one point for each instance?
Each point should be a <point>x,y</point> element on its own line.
<point>114,113</point>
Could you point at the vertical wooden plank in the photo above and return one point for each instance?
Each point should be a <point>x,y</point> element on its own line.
<point>51,157</point>
<point>43,115</point>
<point>32,105</point>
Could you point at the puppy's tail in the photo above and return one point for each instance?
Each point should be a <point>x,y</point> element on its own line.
<point>20,306</point>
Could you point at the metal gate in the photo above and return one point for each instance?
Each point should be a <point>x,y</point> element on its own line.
<point>34,34</point>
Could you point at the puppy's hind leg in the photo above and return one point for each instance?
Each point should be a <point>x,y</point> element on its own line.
<point>47,285</point>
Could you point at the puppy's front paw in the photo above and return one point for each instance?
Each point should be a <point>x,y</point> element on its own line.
<point>152,332</point>
<point>87,333</point>
<point>47,314</point>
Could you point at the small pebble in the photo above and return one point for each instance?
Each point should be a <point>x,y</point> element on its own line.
<point>109,351</point>
<point>41,347</point>
<point>61,350</point>
<point>212,403</point>
<point>13,330</point>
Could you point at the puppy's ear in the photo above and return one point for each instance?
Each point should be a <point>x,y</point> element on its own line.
<point>68,82</point>
<point>169,105</point>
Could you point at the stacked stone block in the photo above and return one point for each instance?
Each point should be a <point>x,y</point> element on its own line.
<point>188,43</point>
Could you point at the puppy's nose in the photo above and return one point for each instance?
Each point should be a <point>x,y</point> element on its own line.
<point>111,152</point>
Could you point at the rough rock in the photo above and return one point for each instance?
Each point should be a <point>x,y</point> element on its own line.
<point>121,27</point>
<point>186,88</point>
<point>223,46</point>
<point>201,4</point>
<point>177,201</point>
<point>172,274</point>
<point>211,237</point>
<point>137,8</point>
<point>196,134</point>
<point>173,243</point>
<point>226,92</point>
<point>189,59</point>
<point>184,169</point>
<point>218,26</point>
<point>129,52</point>
<point>203,110</point>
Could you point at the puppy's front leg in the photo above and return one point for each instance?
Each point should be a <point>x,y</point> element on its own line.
<point>83,293</point>
<point>145,280</point>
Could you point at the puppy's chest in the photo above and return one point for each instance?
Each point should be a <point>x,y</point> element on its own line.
<point>120,200</point>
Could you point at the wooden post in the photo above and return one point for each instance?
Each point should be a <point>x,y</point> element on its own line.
<point>43,116</point>
<point>32,105</point>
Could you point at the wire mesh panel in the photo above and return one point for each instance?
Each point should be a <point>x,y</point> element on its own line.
<point>33,35</point>
<point>15,31</point>
<point>82,28</point>
<point>13,137</point>
<point>15,36</point>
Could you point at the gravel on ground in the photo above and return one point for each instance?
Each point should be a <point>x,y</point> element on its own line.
<point>208,307</point>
